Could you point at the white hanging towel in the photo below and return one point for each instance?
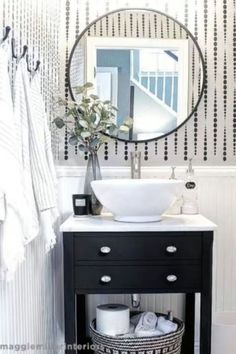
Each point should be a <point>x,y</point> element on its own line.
<point>2,206</point>
<point>12,227</point>
<point>21,114</point>
<point>42,165</point>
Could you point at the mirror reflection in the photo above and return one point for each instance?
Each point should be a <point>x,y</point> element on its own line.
<point>152,73</point>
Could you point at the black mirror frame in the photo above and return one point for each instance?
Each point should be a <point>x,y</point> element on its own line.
<point>189,34</point>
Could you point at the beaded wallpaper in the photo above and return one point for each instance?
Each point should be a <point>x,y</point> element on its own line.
<point>36,24</point>
<point>30,306</point>
<point>210,135</point>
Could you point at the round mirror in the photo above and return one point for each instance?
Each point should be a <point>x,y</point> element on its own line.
<point>146,64</point>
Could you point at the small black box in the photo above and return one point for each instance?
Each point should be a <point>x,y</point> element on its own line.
<point>81,204</point>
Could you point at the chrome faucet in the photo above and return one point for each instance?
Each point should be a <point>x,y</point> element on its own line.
<point>135,157</point>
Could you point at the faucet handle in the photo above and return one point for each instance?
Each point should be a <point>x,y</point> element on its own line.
<point>172,176</point>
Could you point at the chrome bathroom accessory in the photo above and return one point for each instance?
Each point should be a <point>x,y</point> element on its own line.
<point>172,176</point>
<point>135,300</point>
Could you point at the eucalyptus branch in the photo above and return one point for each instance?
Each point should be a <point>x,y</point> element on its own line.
<point>91,119</point>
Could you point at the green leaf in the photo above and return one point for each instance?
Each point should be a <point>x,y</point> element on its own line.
<point>93,118</point>
<point>124,128</point>
<point>94,142</point>
<point>94,97</point>
<point>96,109</point>
<point>71,112</point>
<point>79,89</point>
<point>115,108</point>
<point>59,122</point>
<point>83,148</point>
<point>83,123</point>
<point>113,130</point>
<point>103,139</point>
<point>85,134</point>
<point>107,102</point>
<point>88,85</point>
<point>128,121</point>
<point>86,100</point>
<point>73,140</point>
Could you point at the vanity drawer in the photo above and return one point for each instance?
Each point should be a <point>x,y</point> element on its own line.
<point>137,246</point>
<point>125,278</point>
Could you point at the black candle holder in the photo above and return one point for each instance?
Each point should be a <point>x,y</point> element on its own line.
<point>81,204</point>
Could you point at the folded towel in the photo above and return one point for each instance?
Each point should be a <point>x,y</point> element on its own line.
<point>134,320</point>
<point>166,326</point>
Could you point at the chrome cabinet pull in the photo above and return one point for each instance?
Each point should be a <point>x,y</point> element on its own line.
<point>171,249</point>
<point>106,279</point>
<point>105,250</point>
<point>171,278</point>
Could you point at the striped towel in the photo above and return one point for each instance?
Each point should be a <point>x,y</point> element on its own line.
<point>21,114</point>
<point>12,207</point>
<point>2,206</point>
<point>42,165</point>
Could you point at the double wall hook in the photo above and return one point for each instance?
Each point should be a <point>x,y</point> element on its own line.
<point>24,53</point>
<point>25,49</point>
<point>28,67</point>
<point>7,31</point>
<point>37,65</point>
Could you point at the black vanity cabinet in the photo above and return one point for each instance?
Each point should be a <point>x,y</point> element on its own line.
<point>102,256</point>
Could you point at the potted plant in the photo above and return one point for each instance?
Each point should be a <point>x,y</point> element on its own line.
<point>86,122</point>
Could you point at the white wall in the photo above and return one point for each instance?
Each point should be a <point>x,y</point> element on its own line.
<point>217,200</point>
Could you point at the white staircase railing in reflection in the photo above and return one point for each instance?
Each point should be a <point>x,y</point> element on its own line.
<point>162,85</point>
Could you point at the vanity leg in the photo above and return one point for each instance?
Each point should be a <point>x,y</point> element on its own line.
<point>206,295</point>
<point>188,339</point>
<point>80,320</point>
<point>205,326</point>
<point>69,294</point>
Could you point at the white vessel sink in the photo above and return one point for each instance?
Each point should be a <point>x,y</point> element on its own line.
<point>137,200</point>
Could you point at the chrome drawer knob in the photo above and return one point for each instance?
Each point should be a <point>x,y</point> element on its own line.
<point>106,279</point>
<point>105,250</point>
<point>171,249</point>
<point>171,278</point>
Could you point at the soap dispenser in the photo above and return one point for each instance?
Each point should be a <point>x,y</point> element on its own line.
<point>175,208</point>
<point>190,202</point>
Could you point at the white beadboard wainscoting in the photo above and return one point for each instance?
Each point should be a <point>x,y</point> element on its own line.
<point>27,303</point>
<point>217,201</point>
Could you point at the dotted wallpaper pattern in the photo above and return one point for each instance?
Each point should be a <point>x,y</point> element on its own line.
<point>36,24</point>
<point>210,135</point>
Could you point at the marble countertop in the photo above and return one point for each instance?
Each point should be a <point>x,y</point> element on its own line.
<point>105,222</point>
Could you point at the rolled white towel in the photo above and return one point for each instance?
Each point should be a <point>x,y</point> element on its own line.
<point>134,320</point>
<point>166,326</point>
<point>147,325</point>
<point>150,333</point>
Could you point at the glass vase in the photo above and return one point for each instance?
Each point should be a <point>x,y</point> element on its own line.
<point>93,173</point>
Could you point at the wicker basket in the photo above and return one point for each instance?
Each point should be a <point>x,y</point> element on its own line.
<point>166,344</point>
